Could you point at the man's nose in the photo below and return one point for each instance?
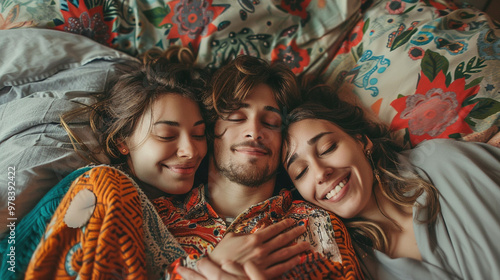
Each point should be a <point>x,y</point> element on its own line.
<point>254,129</point>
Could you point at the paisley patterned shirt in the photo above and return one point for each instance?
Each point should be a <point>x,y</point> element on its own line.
<point>198,229</point>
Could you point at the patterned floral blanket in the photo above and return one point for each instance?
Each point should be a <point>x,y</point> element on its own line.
<point>428,68</point>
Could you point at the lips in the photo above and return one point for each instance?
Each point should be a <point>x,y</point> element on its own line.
<point>251,148</point>
<point>252,151</point>
<point>182,168</point>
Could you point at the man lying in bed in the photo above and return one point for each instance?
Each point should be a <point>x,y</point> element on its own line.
<point>245,123</point>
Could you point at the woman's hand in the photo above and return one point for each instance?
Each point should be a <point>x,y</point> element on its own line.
<point>268,250</point>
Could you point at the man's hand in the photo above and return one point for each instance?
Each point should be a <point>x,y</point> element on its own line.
<point>268,249</point>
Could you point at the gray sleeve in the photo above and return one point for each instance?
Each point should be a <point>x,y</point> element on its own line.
<point>467,176</point>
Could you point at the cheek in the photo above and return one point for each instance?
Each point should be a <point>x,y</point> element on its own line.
<point>163,150</point>
<point>306,191</point>
<point>202,148</point>
<point>275,140</point>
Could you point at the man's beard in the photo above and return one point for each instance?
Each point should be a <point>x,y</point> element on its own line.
<point>245,174</point>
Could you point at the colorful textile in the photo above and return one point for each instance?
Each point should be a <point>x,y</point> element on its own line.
<point>119,239</point>
<point>426,68</point>
<point>30,229</point>
<point>198,229</point>
<point>298,33</point>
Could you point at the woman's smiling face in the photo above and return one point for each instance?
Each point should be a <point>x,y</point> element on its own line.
<point>329,167</point>
<point>168,144</point>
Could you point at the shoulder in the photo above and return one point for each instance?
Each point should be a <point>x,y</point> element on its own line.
<point>437,152</point>
<point>105,175</point>
<point>104,169</point>
<point>455,164</point>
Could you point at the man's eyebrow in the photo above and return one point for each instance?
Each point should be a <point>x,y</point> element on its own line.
<point>317,137</point>
<point>172,123</point>
<point>267,108</point>
<point>272,109</point>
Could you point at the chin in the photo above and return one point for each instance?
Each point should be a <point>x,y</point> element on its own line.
<point>183,188</point>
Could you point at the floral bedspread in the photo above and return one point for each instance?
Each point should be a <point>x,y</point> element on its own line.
<point>426,67</point>
<point>299,33</point>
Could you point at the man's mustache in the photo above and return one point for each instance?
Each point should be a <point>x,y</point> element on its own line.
<point>252,144</point>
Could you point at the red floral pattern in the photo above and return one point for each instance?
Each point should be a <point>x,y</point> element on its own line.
<point>88,22</point>
<point>293,56</point>
<point>435,110</point>
<point>191,20</point>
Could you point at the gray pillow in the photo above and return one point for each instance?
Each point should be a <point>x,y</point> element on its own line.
<point>44,74</point>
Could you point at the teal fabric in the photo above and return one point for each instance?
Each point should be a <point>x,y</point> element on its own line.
<point>30,229</point>
<point>464,242</point>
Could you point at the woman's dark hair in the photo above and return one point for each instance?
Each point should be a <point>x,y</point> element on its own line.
<point>117,112</point>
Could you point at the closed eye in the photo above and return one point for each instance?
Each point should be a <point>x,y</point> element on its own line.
<point>331,148</point>
<point>301,174</point>
<point>170,138</point>
<point>273,126</point>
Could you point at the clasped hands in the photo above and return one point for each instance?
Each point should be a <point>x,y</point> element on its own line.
<point>265,254</point>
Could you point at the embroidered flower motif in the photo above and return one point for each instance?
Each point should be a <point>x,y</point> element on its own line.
<point>416,53</point>
<point>431,113</point>
<point>292,56</point>
<point>93,28</point>
<point>88,22</point>
<point>434,111</point>
<point>191,20</point>
<point>192,17</point>
<point>395,7</point>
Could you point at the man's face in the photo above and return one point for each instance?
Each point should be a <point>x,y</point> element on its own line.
<point>249,149</point>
